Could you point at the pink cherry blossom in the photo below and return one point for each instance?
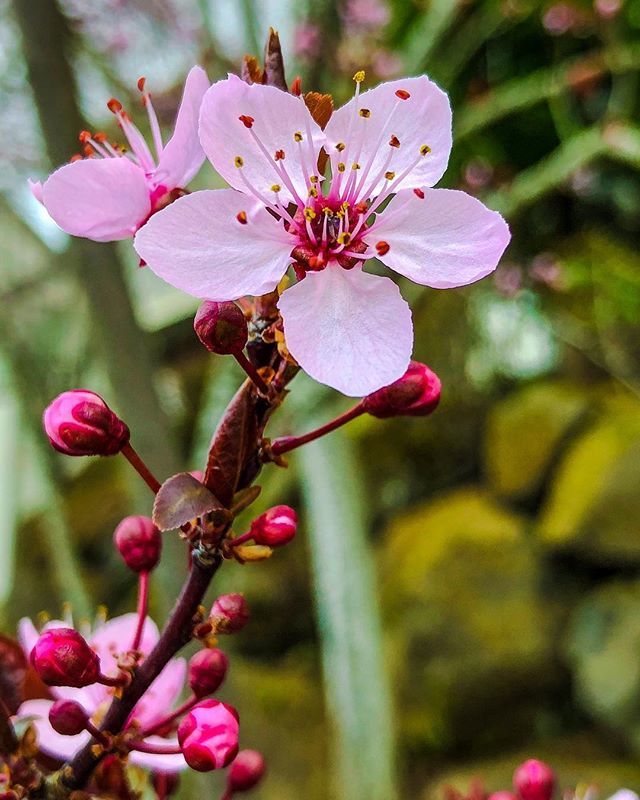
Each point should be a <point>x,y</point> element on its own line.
<point>346,327</point>
<point>108,640</point>
<point>112,192</point>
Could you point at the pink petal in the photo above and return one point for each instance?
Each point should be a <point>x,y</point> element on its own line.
<point>100,199</point>
<point>198,245</point>
<point>277,116</point>
<point>424,118</point>
<point>52,743</point>
<point>36,189</point>
<point>160,697</point>
<point>159,763</point>
<point>182,156</point>
<point>115,637</point>
<point>348,329</point>
<point>446,239</point>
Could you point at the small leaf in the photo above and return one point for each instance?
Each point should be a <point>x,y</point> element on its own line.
<point>274,63</point>
<point>320,107</point>
<point>251,71</point>
<point>180,499</point>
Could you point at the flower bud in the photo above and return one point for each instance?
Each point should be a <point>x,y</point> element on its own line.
<point>276,527</point>
<point>207,670</point>
<point>139,543</point>
<point>61,657</point>
<point>165,783</point>
<point>208,735</point>
<point>415,394</point>
<point>229,613</point>
<point>534,780</point>
<point>80,423</point>
<point>502,795</point>
<point>247,771</point>
<point>221,327</point>
<point>68,717</point>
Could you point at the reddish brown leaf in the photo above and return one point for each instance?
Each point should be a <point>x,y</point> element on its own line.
<point>320,107</point>
<point>274,63</point>
<point>251,71</point>
<point>180,499</point>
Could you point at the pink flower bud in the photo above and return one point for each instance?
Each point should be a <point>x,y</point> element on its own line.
<point>221,327</point>
<point>68,717</point>
<point>246,771</point>
<point>80,423</point>
<point>415,394</point>
<point>207,670</point>
<point>208,735</point>
<point>276,527</point>
<point>139,543</point>
<point>61,657</point>
<point>534,780</point>
<point>502,795</point>
<point>230,613</point>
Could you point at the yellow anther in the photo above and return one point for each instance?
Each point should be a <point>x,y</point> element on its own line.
<point>340,146</point>
<point>389,175</point>
<point>359,76</point>
<point>355,165</point>
<point>344,238</point>
<point>276,187</point>
<point>238,161</point>
<point>313,192</point>
<point>326,210</point>
<point>365,112</point>
<point>341,166</point>
<point>425,149</point>
<point>313,178</point>
<point>344,205</point>
<point>309,214</point>
<point>297,136</point>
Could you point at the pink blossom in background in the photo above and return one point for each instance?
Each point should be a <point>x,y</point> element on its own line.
<point>108,641</point>
<point>307,41</point>
<point>111,193</point>
<point>365,15</point>
<point>346,327</point>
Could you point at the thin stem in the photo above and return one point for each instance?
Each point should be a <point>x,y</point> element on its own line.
<point>156,749</point>
<point>143,603</point>
<point>120,680</point>
<point>188,704</point>
<point>252,372</point>
<point>97,734</point>
<point>287,443</point>
<point>141,468</point>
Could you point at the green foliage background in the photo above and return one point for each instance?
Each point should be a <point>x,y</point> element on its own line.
<point>499,538</point>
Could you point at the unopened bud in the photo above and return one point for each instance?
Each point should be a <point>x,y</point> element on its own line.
<point>80,423</point>
<point>165,783</point>
<point>221,327</point>
<point>230,613</point>
<point>208,735</point>
<point>61,657</point>
<point>276,527</point>
<point>415,394</point>
<point>502,795</point>
<point>534,780</point>
<point>207,671</point>
<point>247,771</point>
<point>67,717</point>
<point>139,543</point>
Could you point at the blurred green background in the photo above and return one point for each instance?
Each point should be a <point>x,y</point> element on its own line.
<point>467,584</point>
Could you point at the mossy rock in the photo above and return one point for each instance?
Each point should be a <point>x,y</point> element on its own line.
<point>524,433</point>
<point>602,647</point>
<point>593,506</point>
<point>469,632</point>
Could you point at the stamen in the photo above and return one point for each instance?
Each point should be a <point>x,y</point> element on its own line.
<point>296,86</point>
<point>403,94</point>
<point>425,149</point>
<point>279,155</point>
<point>276,187</point>
<point>115,106</point>
<point>389,175</point>
<point>133,135</point>
<point>365,112</point>
<point>359,76</point>
<point>314,178</point>
<point>341,167</point>
<point>344,238</point>
<point>382,248</point>
<point>241,216</point>
<point>239,162</point>
<point>246,120</point>
<point>279,169</point>
<point>340,146</point>
<point>355,165</point>
<point>309,214</point>
<point>297,136</point>
<point>394,141</point>
<point>419,193</point>
<point>153,119</point>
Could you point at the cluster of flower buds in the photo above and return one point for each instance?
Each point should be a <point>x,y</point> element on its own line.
<point>80,423</point>
<point>139,543</point>
<point>208,735</point>
<point>533,780</point>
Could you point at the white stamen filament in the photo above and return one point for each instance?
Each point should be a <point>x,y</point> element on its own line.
<point>367,169</point>
<point>137,142</point>
<point>153,122</point>
<point>277,168</point>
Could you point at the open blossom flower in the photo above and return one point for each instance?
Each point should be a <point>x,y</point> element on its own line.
<point>112,192</point>
<point>108,640</point>
<point>347,328</point>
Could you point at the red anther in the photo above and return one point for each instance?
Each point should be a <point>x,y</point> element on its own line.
<point>382,248</point>
<point>317,262</point>
<point>241,216</point>
<point>75,157</point>
<point>419,193</point>
<point>115,106</point>
<point>361,207</point>
<point>246,120</point>
<point>279,155</point>
<point>296,86</point>
<point>394,141</point>
<point>403,94</point>
<point>141,83</point>
<point>84,136</point>
<point>88,150</point>
<point>100,137</point>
